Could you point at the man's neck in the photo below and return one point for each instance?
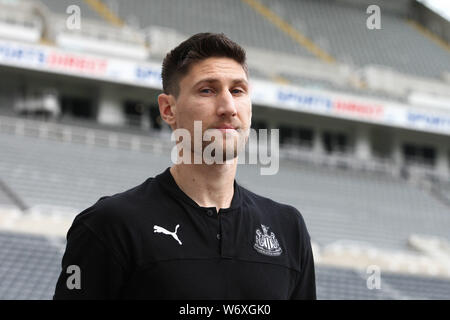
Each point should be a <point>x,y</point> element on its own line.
<point>207,185</point>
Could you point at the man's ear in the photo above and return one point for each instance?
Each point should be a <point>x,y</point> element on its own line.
<point>167,109</point>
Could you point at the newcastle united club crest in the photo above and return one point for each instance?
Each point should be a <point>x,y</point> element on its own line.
<point>265,243</point>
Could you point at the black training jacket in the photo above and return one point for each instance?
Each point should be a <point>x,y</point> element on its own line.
<point>154,242</point>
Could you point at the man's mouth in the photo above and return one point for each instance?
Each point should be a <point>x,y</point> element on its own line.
<point>226,128</point>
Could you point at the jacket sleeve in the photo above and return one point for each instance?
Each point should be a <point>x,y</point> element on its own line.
<point>305,288</point>
<point>90,270</point>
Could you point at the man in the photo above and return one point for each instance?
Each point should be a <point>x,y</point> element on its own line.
<point>192,232</point>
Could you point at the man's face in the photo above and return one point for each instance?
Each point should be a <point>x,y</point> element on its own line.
<point>216,92</point>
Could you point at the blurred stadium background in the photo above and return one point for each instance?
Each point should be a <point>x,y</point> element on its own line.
<point>364,119</point>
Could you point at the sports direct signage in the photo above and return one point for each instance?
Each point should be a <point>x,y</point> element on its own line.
<point>147,74</point>
<point>350,107</point>
<point>328,104</point>
<point>54,60</point>
<point>429,121</point>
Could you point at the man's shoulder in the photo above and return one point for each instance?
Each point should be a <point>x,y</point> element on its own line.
<point>270,206</point>
<point>119,208</point>
<point>279,216</point>
<point>128,197</point>
<point>113,219</point>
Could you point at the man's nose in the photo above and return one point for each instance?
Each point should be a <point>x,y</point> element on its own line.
<point>226,106</point>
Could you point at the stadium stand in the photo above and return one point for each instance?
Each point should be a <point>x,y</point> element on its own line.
<point>323,27</point>
<point>71,183</point>
<point>276,29</point>
<point>336,27</point>
<point>344,284</point>
<point>386,212</point>
<point>231,17</point>
<point>51,170</point>
<point>60,7</point>
<point>29,266</point>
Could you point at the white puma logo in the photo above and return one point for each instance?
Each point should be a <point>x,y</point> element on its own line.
<point>158,229</point>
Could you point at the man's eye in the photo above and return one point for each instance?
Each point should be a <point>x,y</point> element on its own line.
<point>206,90</point>
<point>237,91</point>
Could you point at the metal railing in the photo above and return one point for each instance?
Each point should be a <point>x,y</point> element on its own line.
<point>75,134</point>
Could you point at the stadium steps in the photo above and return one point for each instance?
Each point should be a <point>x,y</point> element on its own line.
<point>8,198</point>
<point>105,12</point>
<point>289,30</point>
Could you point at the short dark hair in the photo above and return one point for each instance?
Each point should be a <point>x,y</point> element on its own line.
<point>199,47</point>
